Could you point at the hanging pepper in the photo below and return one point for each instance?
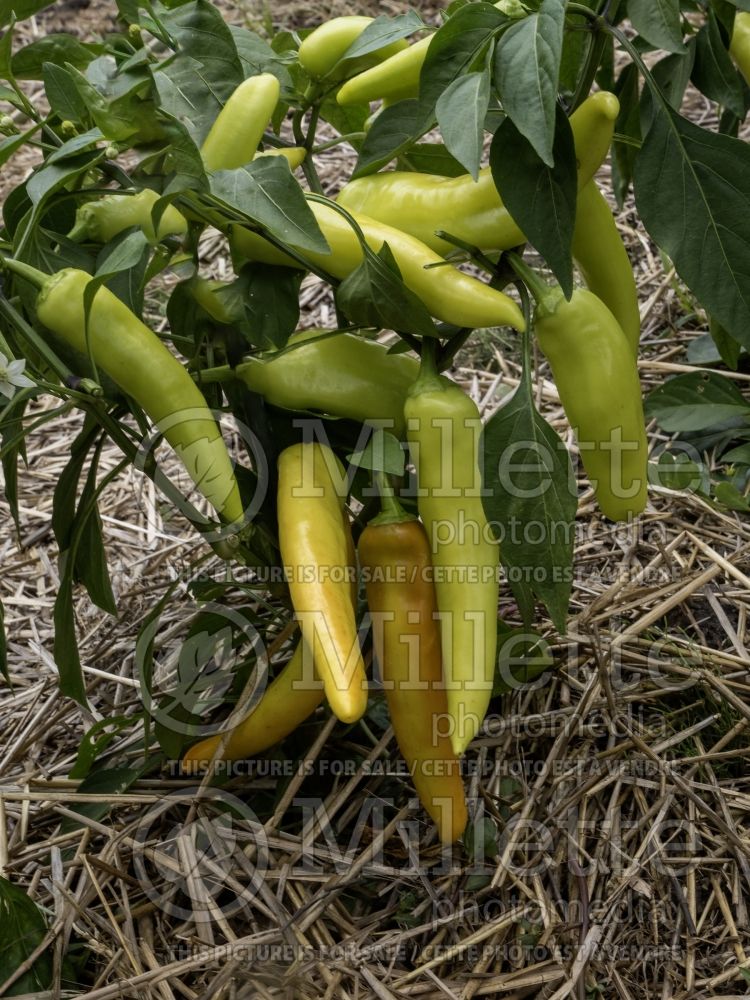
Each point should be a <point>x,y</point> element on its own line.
<point>236,134</point>
<point>740,44</point>
<point>139,363</point>
<point>315,548</point>
<point>603,261</point>
<point>100,221</point>
<point>596,374</point>
<point>321,52</point>
<point>447,293</point>
<point>443,429</point>
<point>394,554</point>
<point>420,204</point>
<point>392,80</point>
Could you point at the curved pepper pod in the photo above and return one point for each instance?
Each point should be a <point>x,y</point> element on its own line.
<point>316,548</point>
<point>603,261</point>
<point>290,699</point>
<point>236,134</point>
<point>139,363</point>
<point>294,155</point>
<point>447,293</point>
<point>740,44</point>
<point>596,375</point>
<point>392,80</point>
<point>443,429</point>
<point>100,221</point>
<point>322,50</point>
<point>472,210</point>
<point>395,561</point>
<point>342,375</point>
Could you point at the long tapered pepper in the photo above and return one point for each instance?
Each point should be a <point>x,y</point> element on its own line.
<point>472,211</point>
<point>603,261</point>
<point>343,375</point>
<point>100,221</point>
<point>315,547</point>
<point>392,80</point>
<point>596,374</point>
<point>139,363</point>
<point>322,50</point>
<point>447,293</point>
<point>740,44</point>
<point>394,554</point>
<point>290,698</point>
<point>236,134</point>
<point>443,429</point>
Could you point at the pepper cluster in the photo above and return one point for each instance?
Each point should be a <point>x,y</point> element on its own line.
<point>434,635</point>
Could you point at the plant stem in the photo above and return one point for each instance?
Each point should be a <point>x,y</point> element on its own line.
<point>537,286</point>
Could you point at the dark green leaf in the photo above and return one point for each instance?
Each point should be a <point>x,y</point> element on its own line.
<point>628,125</point>
<point>383,31</point>
<point>461,110</point>
<point>115,781</point>
<point>542,200</point>
<point>3,646</point>
<point>10,429</point>
<point>95,741</point>
<point>677,471</point>
<point>658,21</point>
<point>522,657</point>
<point>10,144</point>
<point>692,189</point>
<point>20,9</point>
<point>74,146</point>
<point>268,301</point>
<point>575,47</point>
<point>183,95</point>
<point>123,253</point>
<point>63,95</point>
<point>90,558</point>
<point>128,280</point>
<point>65,646</point>
<point>392,132</point>
<point>184,159</point>
<point>257,56</point>
<point>726,345</point>
<point>59,49</point>
<point>433,158</point>
<point>266,192</point>
<point>528,479</point>
<point>737,456</point>
<point>728,495</point>
<point>455,47</point>
<point>527,71</point>
<point>374,295</point>
<point>714,73</point>
<point>24,929</point>
<point>672,74</point>
<point>695,402</point>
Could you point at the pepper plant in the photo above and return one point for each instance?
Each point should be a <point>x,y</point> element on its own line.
<point>180,123</point>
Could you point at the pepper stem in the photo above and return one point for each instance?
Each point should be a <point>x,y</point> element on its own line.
<point>536,285</point>
<point>391,510</point>
<point>31,274</point>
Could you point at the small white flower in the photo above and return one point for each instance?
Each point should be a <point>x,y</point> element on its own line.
<point>12,377</point>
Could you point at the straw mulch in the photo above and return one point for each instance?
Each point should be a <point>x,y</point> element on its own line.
<point>611,800</point>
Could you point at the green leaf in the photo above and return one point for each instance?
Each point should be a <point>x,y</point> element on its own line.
<point>677,471</point>
<point>737,456</point>
<point>461,110</point>
<point>528,479</point>
<point>21,9</point>
<point>527,71</point>
<point>374,295</point>
<point>393,131</point>
<point>24,929</point>
<point>728,495</point>
<point>10,429</point>
<point>382,453</point>
<point>95,741</point>
<point>114,781</point>
<point>695,402</point>
<point>28,62</point>
<point>522,657</point>
<point>3,646</point>
<point>658,21</point>
<point>10,144</point>
<point>65,644</point>
<point>628,125</point>
<point>383,31</point>
<point>265,192</point>
<point>122,253</point>
<point>541,199</point>
<point>672,75</point>
<point>90,557</point>
<point>455,47</point>
<point>63,95</point>
<point>727,346</point>
<point>268,303</point>
<point>714,73</point>
<point>257,56</point>
<point>433,158</point>
<point>692,189</point>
